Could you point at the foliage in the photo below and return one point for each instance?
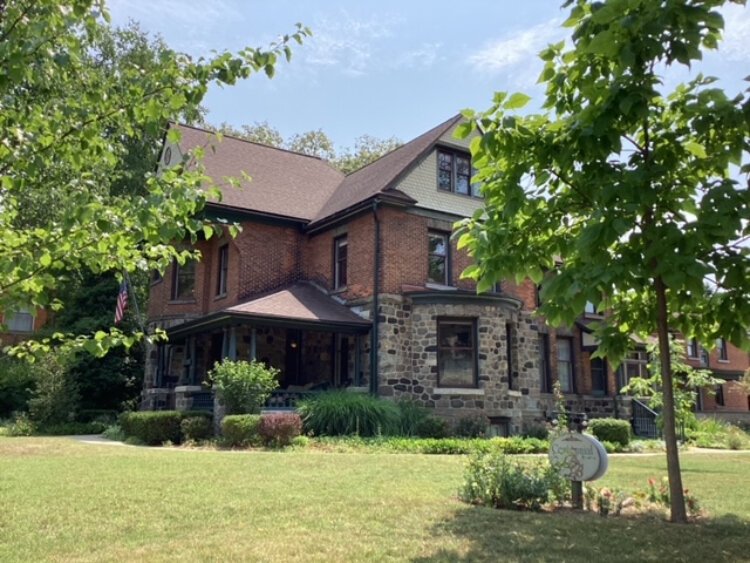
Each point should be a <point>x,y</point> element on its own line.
<point>433,427</point>
<point>611,429</point>
<point>16,385</point>
<point>686,382</point>
<point>55,399</point>
<point>342,413</point>
<point>539,431</point>
<point>98,415</point>
<point>240,430</point>
<point>411,415</point>
<point>278,429</point>
<point>22,426</point>
<point>499,482</point>
<point>472,426</point>
<point>114,433</point>
<point>241,386</point>
<point>714,433</point>
<point>657,493</point>
<point>66,127</point>
<point>621,193</point>
<point>156,427</point>
<point>197,428</point>
<point>71,429</point>
<point>433,446</point>
<point>317,143</point>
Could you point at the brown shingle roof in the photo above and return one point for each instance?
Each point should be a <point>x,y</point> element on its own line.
<point>300,302</point>
<point>382,174</point>
<point>283,182</point>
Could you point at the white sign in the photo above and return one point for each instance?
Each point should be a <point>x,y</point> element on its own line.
<point>578,457</point>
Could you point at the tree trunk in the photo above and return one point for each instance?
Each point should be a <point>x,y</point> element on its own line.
<point>676,496</point>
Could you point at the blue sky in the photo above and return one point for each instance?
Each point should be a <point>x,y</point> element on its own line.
<point>386,67</point>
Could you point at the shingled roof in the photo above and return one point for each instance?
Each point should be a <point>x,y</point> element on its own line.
<point>298,186</point>
<point>282,182</point>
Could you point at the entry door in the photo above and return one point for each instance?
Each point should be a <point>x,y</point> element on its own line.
<point>598,376</point>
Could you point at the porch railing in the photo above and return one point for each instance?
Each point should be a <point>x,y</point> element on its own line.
<point>644,420</point>
<point>203,401</point>
<point>282,399</point>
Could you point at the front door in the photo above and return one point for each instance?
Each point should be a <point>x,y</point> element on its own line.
<point>598,377</point>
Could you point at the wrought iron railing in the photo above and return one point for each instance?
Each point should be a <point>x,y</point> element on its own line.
<point>203,401</point>
<point>644,420</point>
<point>282,399</point>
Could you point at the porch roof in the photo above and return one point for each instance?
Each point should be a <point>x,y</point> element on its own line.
<point>300,306</point>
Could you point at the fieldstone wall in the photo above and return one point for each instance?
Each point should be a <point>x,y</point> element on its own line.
<point>409,368</point>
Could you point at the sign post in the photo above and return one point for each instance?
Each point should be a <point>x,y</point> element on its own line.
<point>578,457</point>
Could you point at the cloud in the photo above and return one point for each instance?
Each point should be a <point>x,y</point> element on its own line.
<point>516,49</point>
<point>424,56</point>
<point>347,43</point>
<point>736,43</point>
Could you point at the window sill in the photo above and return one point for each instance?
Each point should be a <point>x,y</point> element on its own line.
<point>514,393</point>
<point>181,302</point>
<point>440,286</point>
<point>338,290</point>
<point>723,361</point>
<point>457,391</point>
<point>220,297</point>
<point>452,192</point>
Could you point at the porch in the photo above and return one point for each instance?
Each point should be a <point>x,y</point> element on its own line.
<point>316,344</point>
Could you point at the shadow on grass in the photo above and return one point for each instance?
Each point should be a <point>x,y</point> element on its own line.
<point>501,535</point>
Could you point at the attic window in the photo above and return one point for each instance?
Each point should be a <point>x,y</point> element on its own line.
<point>454,172</point>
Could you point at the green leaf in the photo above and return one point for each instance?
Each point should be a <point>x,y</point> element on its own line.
<point>695,149</point>
<point>45,260</point>
<point>517,101</point>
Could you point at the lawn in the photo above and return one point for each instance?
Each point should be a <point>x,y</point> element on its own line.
<point>62,500</point>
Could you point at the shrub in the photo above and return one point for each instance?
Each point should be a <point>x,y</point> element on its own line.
<point>342,413</point>
<point>472,426</point>
<point>55,399</point>
<point>538,431</point>
<point>114,433</point>
<point>611,430</point>
<point>22,426</point>
<point>243,387</point>
<point>196,428</point>
<point>433,427</point>
<point>240,430</point>
<point>16,385</point>
<point>156,427</point>
<point>301,442</point>
<point>107,416</point>
<point>411,416</point>
<point>279,429</point>
<point>496,481</point>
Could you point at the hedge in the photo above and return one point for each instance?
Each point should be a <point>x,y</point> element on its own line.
<point>611,430</point>
<point>240,430</point>
<point>156,427</point>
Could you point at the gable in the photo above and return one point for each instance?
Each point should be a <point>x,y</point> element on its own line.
<point>421,182</point>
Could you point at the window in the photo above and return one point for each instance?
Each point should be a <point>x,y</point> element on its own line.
<point>598,377</point>
<point>454,173</point>
<point>339,262</point>
<point>565,364</point>
<point>721,344</point>
<point>438,267</point>
<point>22,321</point>
<point>457,353</point>
<point>183,281</point>
<point>223,270</point>
<point>590,309</point>
<point>719,395</point>
<point>510,340</point>
<point>544,371</point>
<point>634,365</point>
<point>692,348</point>
<point>156,276</point>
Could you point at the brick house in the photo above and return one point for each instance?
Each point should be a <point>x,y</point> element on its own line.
<point>21,325</point>
<point>352,281</point>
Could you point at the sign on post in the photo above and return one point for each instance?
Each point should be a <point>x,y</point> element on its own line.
<point>578,457</point>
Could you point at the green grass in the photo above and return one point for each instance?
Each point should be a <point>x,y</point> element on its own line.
<point>62,500</point>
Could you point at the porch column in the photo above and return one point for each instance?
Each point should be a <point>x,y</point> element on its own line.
<point>232,351</point>
<point>191,367</point>
<point>357,360</point>
<point>253,344</point>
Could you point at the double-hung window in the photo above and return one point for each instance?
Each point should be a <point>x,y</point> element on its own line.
<point>457,352</point>
<point>438,260</point>
<point>222,272</point>
<point>454,173</point>
<point>565,364</point>
<point>21,321</point>
<point>340,252</point>
<point>634,365</point>
<point>183,281</point>
<point>692,348</point>
<point>721,344</point>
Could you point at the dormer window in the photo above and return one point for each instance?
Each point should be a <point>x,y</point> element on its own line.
<point>454,172</point>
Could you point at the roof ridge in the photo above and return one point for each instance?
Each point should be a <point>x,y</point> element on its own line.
<point>446,123</point>
<point>240,139</point>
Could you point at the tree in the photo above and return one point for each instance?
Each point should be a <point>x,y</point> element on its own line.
<point>313,143</point>
<point>366,150</point>
<point>619,193</point>
<point>259,132</point>
<point>687,382</point>
<point>66,125</point>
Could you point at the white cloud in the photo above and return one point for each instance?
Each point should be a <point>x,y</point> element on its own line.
<point>347,43</point>
<point>424,56</point>
<point>736,43</point>
<point>516,49</point>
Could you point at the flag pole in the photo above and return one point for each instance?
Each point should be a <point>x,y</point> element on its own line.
<point>135,300</point>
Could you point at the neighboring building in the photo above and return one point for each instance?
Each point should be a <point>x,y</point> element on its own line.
<point>20,326</point>
<point>329,268</point>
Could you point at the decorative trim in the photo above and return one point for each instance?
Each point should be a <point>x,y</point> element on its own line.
<point>457,391</point>
<point>459,297</point>
<point>188,389</point>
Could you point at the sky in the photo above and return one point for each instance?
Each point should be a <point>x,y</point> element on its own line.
<point>386,67</point>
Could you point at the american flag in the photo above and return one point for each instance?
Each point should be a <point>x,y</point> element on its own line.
<point>122,302</point>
